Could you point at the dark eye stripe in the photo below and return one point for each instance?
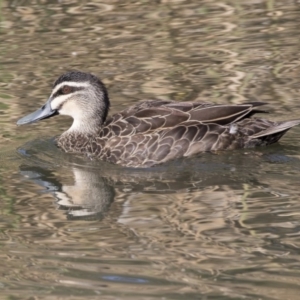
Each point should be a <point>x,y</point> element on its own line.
<point>72,90</point>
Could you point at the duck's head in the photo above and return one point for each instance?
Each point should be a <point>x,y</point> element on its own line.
<point>77,94</point>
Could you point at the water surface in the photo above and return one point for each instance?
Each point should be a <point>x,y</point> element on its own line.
<point>217,226</point>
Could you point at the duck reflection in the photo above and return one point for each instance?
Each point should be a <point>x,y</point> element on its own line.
<point>85,196</point>
<point>86,190</point>
<point>85,193</point>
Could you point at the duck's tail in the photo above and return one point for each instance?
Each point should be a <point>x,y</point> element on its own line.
<point>273,133</point>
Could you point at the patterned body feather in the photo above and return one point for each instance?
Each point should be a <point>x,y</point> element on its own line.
<point>155,131</point>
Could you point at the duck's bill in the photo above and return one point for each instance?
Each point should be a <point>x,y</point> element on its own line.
<point>44,112</point>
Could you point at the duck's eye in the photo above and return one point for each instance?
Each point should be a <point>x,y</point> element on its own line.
<point>66,89</point>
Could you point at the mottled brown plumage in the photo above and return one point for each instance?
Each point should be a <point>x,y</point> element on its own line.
<point>152,131</point>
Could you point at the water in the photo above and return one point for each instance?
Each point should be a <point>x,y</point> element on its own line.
<point>218,226</point>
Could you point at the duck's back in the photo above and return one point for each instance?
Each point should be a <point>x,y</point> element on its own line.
<point>153,132</point>
<point>154,115</point>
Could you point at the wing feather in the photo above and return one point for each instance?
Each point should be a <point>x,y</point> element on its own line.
<point>152,115</point>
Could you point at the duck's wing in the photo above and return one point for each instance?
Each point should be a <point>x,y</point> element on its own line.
<point>223,114</point>
<point>146,150</point>
<point>153,115</point>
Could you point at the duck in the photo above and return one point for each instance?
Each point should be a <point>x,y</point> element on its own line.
<point>150,132</point>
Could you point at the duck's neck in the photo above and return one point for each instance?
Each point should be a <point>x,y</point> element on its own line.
<point>84,128</point>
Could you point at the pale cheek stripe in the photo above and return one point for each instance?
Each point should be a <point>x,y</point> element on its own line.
<point>59,100</point>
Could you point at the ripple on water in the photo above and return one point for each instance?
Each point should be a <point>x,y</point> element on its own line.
<point>209,217</point>
<point>217,226</point>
